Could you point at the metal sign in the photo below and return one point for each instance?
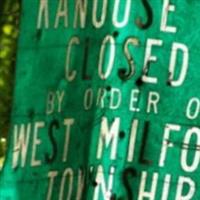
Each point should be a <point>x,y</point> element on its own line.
<point>106,102</point>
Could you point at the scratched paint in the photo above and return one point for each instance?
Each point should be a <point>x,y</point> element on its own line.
<point>106,102</point>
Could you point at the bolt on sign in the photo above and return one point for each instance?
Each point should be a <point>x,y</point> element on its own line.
<point>106,102</point>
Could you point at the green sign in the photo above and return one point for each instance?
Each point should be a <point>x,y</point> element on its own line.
<point>106,103</point>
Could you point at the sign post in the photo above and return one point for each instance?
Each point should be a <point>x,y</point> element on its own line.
<point>106,102</point>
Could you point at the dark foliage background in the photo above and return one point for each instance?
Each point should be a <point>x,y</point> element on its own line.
<point>9,30</point>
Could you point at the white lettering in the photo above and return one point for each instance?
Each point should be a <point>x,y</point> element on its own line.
<point>108,39</point>
<point>149,58</point>
<point>107,136</point>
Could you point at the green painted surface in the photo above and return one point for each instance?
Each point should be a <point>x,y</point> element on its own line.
<point>55,139</point>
